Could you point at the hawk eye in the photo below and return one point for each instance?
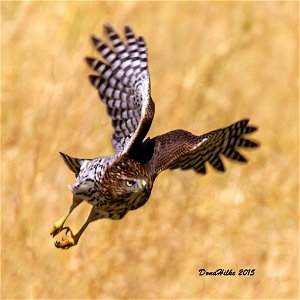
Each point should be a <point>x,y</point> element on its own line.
<point>129,182</point>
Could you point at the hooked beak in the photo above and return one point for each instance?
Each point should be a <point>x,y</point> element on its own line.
<point>142,185</point>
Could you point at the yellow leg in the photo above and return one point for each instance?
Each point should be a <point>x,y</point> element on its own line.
<point>58,225</point>
<point>70,240</point>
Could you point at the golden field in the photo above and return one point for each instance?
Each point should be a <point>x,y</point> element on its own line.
<point>211,64</point>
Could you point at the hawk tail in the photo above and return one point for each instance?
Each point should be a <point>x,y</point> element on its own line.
<point>74,164</point>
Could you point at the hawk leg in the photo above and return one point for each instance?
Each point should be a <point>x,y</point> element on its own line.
<point>69,240</point>
<point>58,225</point>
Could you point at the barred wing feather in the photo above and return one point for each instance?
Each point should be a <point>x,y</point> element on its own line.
<point>195,151</point>
<point>123,84</point>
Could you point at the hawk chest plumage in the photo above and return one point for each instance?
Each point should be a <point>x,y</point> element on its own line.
<point>114,185</point>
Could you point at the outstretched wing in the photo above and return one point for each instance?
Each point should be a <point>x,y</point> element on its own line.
<point>123,84</point>
<point>181,149</point>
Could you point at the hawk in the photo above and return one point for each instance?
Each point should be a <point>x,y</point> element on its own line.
<point>116,184</point>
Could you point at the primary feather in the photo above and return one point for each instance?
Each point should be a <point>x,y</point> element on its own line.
<point>123,84</point>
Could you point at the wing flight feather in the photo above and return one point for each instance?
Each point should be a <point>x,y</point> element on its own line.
<point>181,149</point>
<point>123,84</point>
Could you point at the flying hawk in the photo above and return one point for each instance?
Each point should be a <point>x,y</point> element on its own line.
<point>116,184</point>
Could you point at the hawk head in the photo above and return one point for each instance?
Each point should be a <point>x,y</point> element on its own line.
<point>127,182</point>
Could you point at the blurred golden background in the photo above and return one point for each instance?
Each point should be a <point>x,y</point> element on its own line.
<point>211,64</point>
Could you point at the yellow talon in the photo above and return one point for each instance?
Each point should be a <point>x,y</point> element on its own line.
<point>66,241</point>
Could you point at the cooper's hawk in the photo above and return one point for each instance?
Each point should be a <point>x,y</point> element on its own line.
<point>116,184</point>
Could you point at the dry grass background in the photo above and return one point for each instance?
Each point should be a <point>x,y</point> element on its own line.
<point>211,63</point>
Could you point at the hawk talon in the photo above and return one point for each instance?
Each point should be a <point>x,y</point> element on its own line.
<point>55,231</point>
<point>65,242</point>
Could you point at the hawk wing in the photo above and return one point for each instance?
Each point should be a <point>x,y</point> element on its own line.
<point>123,84</point>
<point>181,149</point>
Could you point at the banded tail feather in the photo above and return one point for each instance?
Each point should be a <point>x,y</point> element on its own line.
<point>74,164</point>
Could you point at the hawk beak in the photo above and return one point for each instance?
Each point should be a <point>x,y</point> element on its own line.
<point>142,184</point>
